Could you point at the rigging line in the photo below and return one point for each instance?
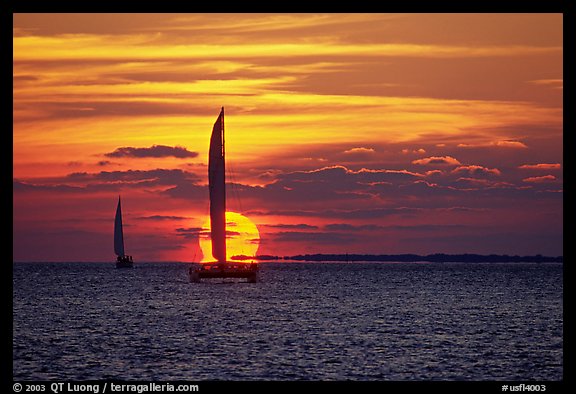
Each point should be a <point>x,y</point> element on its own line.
<point>201,221</point>
<point>234,186</point>
<point>235,194</point>
<point>204,231</point>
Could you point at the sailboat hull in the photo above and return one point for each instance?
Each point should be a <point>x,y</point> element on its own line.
<point>124,264</point>
<point>250,272</point>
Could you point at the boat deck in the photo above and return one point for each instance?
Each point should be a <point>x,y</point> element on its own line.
<point>124,262</point>
<point>247,271</point>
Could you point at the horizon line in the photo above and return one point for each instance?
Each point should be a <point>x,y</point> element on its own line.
<point>353,257</point>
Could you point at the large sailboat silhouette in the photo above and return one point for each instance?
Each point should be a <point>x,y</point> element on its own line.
<point>217,187</point>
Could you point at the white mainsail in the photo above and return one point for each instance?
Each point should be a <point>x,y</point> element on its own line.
<point>217,186</point>
<point>118,233</point>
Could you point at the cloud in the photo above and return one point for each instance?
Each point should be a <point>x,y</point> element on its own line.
<point>359,151</point>
<point>438,161</point>
<point>191,230</point>
<point>326,185</point>
<point>476,170</point>
<point>375,227</point>
<point>162,217</point>
<point>433,173</point>
<point>472,182</point>
<point>24,78</point>
<point>85,182</point>
<point>416,151</point>
<point>301,226</point>
<point>462,209</point>
<point>350,227</point>
<point>94,103</point>
<point>18,186</point>
<point>191,233</point>
<point>232,234</point>
<point>499,144</point>
<point>541,166</point>
<point>389,174</point>
<point>195,232</point>
<point>337,191</point>
<point>339,174</point>
<point>153,151</point>
<point>510,144</point>
<point>138,47</point>
<point>552,83</point>
<point>540,179</point>
<point>157,176</point>
<point>369,213</point>
<point>328,238</point>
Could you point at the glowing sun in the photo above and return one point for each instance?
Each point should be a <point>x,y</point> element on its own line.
<point>242,237</point>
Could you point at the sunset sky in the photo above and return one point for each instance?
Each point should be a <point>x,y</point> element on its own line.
<point>345,133</point>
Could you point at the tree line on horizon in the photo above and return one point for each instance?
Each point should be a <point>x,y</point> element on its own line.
<point>436,258</point>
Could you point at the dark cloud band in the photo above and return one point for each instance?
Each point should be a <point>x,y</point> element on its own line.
<point>153,151</point>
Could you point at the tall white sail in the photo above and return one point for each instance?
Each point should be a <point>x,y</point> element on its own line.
<point>118,233</point>
<point>217,186</point>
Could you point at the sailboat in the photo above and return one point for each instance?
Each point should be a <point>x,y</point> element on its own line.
<point>122,260</point>
<point>217,187</point>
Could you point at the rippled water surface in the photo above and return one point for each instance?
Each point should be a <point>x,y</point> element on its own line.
<point>329,321</point>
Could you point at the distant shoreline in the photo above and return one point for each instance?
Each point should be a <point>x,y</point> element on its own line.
<point>434,258</point>
<point>394,258</point>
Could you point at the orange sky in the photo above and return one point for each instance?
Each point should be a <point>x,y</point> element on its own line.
<point>359,133</point>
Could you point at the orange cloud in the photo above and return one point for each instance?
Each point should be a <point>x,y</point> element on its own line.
<point>500,144</point>
<point>149,46</point>
<point>541,166</point>
<point>359,150</point>
<point>418,151</point>
<point>477,170</point>
<point>552,83</point>
<point>433,173</point>
<point>510,144</point>
<point>438,161</point>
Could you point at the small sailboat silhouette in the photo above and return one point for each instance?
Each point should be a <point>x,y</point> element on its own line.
<point>122,260</point>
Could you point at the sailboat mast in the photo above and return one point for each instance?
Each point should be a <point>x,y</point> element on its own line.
<point>223,144</point>
<point>223,165</point>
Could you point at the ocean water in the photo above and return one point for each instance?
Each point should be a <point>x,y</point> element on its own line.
<point>320,321</point>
